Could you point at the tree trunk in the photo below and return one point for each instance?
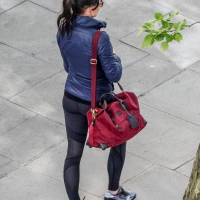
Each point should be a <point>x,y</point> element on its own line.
<point>193,190</point>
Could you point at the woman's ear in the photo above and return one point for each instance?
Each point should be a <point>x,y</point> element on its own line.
<point>91,11</point>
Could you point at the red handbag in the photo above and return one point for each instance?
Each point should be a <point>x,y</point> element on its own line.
<point>113,123</point>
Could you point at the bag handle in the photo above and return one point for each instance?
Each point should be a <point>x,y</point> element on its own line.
<point>93,63</point>
<point>108,94</point>
<point>123,104</point>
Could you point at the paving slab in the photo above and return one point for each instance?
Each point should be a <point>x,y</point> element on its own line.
<point>5,4</point>
<point>93,167</point>
<point>54,5</point>
<point>196,67</point>
<point>51,56</point>
<point>20,71</point>
<point>166,140</point>
<point>26,27</point>
<point>127,15</point>
<point>158,183</point>
<point>12,115</point>
<point>52,162</point>
<point>127,53</point>
<point>189,9</point>
<point>183,55</point>
<point>7,165</point>
<point>26,183</point>
<point>147,73</point>
<point>45,98</point>
<point>186,169</point>
<point>31,139</point>
<point>179,96</point>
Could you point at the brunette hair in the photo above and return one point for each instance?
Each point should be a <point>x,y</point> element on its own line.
<point>71,8</point>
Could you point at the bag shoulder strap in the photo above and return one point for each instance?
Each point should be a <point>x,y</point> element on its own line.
<point>93,63</point>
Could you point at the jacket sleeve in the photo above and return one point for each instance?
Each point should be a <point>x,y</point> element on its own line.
<point>65,62</point>
<point>111,63</point>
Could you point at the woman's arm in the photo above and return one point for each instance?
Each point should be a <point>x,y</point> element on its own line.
<point>65,62</point>
<point>110,62</point>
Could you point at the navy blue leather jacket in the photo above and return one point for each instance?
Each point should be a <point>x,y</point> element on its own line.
<point>76,52</point>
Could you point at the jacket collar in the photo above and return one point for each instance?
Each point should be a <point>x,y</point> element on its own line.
<point>85,21</point>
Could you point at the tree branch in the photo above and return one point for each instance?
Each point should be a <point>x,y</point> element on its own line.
<point>173,31</point>
<point>192,24</point>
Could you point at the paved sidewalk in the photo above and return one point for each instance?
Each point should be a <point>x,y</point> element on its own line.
<point>32,132</point>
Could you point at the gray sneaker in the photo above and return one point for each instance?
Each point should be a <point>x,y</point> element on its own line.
<point>121,195</point>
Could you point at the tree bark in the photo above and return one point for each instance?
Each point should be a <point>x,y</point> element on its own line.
<point>193,190</point>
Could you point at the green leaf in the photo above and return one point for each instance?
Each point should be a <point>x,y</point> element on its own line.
<point>165,24</point>
<point>182,24</point>
<point>169,38</point>
<point>170,27</point>
<point>178,37</point>
<point>154,32</point>
<point>148,41</point>
<point>162,31</point>
<point>164,46</point>
<point>158,16</point>
<point>140,29</point>
<point>140,32</point>
<point>150,24</point>
<point>177,26</point>
<point>144,27</point>
<point>173,14</point>
<point>159,37</point>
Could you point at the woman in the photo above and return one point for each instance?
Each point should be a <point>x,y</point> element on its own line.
<point>76,27</point>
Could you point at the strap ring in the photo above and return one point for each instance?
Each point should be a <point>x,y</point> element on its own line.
<point>93,61</point>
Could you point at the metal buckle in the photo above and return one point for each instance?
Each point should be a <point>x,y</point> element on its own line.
<point>94,113</point>
<point>93,61</point>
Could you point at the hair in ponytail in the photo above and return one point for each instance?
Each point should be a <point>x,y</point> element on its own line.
<point>71,8</point>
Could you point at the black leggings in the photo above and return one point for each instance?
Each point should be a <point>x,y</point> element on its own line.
<point>76,127</point>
